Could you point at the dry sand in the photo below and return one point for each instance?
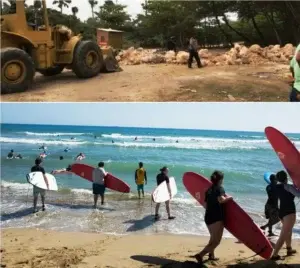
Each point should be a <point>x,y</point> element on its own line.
<point>30,248</point>
<point>165,82</point>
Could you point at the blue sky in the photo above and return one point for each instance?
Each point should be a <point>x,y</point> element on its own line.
<point>217,116</point>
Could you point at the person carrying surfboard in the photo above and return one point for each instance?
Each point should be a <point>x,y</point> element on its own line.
<point>140,179</point>
<point>271,207</point>
<point>38,191</point>
<point>160,178</point>
<point>99,175</point>
<point>287,213</point>
<point>214,217</point>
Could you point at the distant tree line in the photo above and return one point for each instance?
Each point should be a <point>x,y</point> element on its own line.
<point>212,22</point>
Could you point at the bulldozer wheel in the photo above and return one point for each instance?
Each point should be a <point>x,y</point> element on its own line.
<point>17,70</point>
<point>87,59</point>
<point>52,70</point>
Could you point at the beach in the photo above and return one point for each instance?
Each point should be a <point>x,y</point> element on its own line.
<point>47,249</point>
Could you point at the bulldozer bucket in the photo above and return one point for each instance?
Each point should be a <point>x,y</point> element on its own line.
<point>110,62</point>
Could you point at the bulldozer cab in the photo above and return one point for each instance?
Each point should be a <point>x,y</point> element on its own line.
<point>15,20</point>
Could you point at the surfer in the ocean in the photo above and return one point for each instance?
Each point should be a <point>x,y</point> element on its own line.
<point>271,207</point>
<point>214,215</point>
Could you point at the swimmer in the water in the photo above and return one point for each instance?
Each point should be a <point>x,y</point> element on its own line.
<point>135,138</point>
<point>43,147</point>
<point>10,154</point>
<point>64,170</point>
<point>112,141</point>
<point>80,157</point>
<point>67,150</point>
<point>153,139</point>
<point>61,158</point>
<point>177,141</point>
<point>19,156</point>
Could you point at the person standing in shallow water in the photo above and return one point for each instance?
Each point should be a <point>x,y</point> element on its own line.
<point>271,207</point>
<point>99,175</point>
<point>287,214</point>
<point>160,178</point>
<point>38,191</point>
<point>140,179</point>
<point>215,199</point>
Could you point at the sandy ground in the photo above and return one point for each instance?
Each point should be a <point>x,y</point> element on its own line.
<point>24,248</point>
<point>161,83</point>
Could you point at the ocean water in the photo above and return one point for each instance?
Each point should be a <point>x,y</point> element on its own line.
<point>242,156</point>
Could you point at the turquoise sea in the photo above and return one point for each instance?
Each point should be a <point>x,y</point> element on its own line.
<point>242,156</point>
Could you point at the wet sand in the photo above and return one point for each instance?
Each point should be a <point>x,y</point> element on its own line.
<point>46,249</point>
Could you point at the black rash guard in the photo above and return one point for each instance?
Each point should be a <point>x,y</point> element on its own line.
<point>272,195</point>
<point>287,204</point>
<point>160,178</point>
<point>214,210</point>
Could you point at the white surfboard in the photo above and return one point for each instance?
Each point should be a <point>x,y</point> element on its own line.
<point>37,179</point>
<point>161,193</point>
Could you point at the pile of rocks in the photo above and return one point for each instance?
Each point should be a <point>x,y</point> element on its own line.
<point>237,55</point>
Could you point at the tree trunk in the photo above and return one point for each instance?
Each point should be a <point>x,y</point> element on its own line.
<point>272,22</point>
<point>258,30</point>
<point>227,36</point>
<point>236,31</point>
<point>93,15</point>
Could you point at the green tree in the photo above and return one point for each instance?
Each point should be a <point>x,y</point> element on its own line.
<point>62,3</point>
<point>112,15</point>
<point>75,11</point>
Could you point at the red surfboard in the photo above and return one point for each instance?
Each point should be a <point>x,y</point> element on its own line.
<point>111,182</point>
<point>287,153</point>
<point>237,221</point>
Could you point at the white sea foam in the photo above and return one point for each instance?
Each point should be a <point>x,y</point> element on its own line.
<point>40,141</point>
<point>28,133</point>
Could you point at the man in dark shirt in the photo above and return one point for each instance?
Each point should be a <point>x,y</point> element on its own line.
<point>271,207</point>
<point>160,178</point>
<point>36,190</point>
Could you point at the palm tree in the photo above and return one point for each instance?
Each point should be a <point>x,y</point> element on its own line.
<point>93,3</point>
<point>62,3</point>
<point>75,11</point>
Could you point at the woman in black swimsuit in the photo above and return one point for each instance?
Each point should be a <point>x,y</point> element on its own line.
<point>214,215</point>
<point>287,213</point>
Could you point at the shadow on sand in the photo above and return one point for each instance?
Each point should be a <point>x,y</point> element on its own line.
<point>141,224</point>
<point>169,263</point>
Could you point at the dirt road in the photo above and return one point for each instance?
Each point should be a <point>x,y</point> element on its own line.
<point>161,83</point>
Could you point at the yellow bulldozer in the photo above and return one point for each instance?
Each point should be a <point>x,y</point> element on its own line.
<point>27,48</point>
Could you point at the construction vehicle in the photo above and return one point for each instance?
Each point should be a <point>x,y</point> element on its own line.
<point>27,48</point>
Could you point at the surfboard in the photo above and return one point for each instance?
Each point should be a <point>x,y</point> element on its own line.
<point>86,172</point>
<point>287,153</point>
<point>237,221</point>
<point>161,192</point>
<point>267,177</point>
<point>37,179</point>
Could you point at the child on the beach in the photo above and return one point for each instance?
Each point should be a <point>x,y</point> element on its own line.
<point>160,178</point>
<point>140,179</point>
<point>38,191</point>
<point>271,207</point>
<point>99,175</point>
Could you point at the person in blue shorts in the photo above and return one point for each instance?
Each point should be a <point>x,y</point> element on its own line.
<point>140,179</point>
<point>99,175</point>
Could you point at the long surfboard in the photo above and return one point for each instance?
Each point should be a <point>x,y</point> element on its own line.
<point>237,221</point>
<point>161,192</point>
<point>287,153</point>
<point>86,172</point>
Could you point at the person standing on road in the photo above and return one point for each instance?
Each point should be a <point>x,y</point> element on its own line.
<point>140,179</point>
<point>295,69</point>
<point>160,178</point>
<point>193,50</point>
